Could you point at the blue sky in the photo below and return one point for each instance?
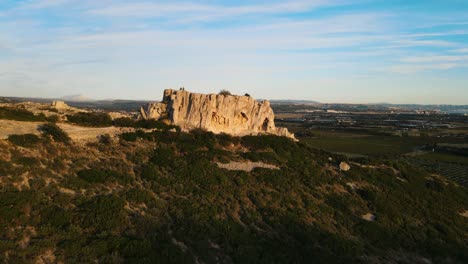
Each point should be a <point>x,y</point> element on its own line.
<point>353,51</point>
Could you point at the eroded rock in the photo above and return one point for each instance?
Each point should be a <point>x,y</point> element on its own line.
<point>60,105</point>
<point>230,114</point>
<point>344,166</point>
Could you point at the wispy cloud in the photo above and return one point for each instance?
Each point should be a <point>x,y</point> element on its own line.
<point>39,4</point>
<point>189,11</point>
<point>414,68</point>
<point>117,44</point>
<point>435,58</point>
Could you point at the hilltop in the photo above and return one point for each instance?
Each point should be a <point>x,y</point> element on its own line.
<point>155,193</point>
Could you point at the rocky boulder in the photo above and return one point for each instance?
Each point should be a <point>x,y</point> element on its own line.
<point>344,166</point>
<point>230,114</point>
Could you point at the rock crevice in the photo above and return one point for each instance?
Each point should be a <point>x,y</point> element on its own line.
<point>230,114</point>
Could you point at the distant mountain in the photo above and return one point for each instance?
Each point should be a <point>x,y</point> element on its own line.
<point>76,98</point>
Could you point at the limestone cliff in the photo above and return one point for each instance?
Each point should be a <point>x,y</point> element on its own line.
<point>230,114</point>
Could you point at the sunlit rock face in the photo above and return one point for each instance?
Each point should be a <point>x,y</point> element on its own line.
<point>230,114</point>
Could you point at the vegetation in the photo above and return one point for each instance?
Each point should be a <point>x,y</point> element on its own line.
<point>91,119</point>
<point>19,114</point>
<point>224,92</point>
<point>55,132</point>
<point>160,198</point>
<point>25,140</point>
<point>143,123</point>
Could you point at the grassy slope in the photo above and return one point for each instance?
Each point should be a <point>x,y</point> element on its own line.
<point>163,200</point>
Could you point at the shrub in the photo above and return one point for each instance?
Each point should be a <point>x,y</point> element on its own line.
<point>151,123</point>
<point>27,161</point>
<point>102,176</point>
<point>124,122</point>
<point>224,92</point>
<point>26,140</point>
<point>20,115</point>
<point>150,172</point>
<point>53,118</point>
<point>105,139</point>
<point>54,131</point>
<point>129,136</point>
<point>93,176</point>
<point>104,213</point>
<point>91,119</point>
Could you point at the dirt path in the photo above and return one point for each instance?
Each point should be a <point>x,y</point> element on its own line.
<point>77,133</point>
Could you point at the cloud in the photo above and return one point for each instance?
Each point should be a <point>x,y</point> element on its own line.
<point>436,58</point>
<point>463,50</point>
<point>414,68</point>
<point>114,45</point>
<point>39,4</point>
<point>188,11</point>
<point>422,43</point>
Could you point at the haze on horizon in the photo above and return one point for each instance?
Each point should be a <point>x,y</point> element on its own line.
<point>356,51</point>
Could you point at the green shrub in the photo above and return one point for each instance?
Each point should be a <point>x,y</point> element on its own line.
<point>26,140</point>
<point>103,213</point>
<point>27,161</point>
<point>102,176</point>
<point>124,122</point>
<point>151,124</point>
<point>54,216</point>
<point>20,115</point>
<point>129,136</point>
<point>91,119</point>
<point>53,118</point>
<point>54,131</point>
<point>224,92</point>
<point>150,172</point>
<point>139,196</point>
<point>93,176</point>
<point>105,139</point>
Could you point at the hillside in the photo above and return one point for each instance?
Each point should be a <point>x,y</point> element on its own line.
<point>160,197</point>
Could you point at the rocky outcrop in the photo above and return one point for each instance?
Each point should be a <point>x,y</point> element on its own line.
<point>230,114</point>
<point>60,105</point>
<point>344,166</point>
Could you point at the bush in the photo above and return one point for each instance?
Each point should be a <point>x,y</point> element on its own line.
<point>105,139</point>
<point>20,115</point>
<point>124,122</point>
<point>54,131</point>
<point>53,118</point>
<point>151,123</point>
<point>224,92</point>
<point>93,176</point>
<point>129,136</point>
<point>26,140</point>
<point>103,213</point>
<point>91,119</point>
<point>27,161</point>
<point>102,176</point>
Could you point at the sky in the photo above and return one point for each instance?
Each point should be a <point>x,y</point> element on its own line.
<point>335,51</point>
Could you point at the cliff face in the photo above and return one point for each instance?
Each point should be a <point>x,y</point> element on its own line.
<point>230,114</point>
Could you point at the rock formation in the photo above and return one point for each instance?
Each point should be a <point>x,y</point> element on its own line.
<point>344,166</point>
<point>230,114</point>
<point>59,105</point>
